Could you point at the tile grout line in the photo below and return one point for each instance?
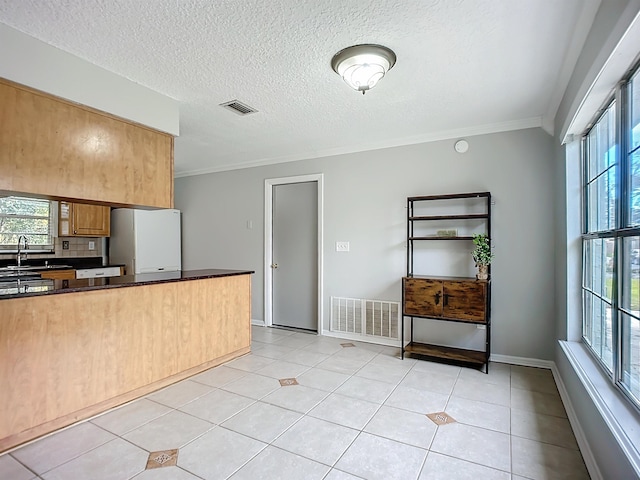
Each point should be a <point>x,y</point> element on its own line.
<point>433,438</point>
<point>86,452</point>
<point>326,393</point>
<point>360,431</point>
<point>510,423</point>
<point>472,462</point>
<point>375,413</point>
<point>24,465</point>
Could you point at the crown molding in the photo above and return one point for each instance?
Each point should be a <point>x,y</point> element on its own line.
<point>398,142</point>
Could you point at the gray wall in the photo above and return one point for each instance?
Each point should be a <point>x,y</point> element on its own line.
<point>364,203</point>
<point>29,61</point>
<point>611,461</point>
<point>610,20</point>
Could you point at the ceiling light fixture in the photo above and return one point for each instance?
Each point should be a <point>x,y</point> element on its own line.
<point>362,66</point>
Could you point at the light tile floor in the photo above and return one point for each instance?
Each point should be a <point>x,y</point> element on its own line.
<point>357,412</point>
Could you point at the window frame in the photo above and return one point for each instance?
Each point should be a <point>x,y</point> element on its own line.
<point>34,248</point>
<point>622,229</point>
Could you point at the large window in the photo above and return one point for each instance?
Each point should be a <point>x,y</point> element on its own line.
<point>611,238</point>
<point>29,217</point>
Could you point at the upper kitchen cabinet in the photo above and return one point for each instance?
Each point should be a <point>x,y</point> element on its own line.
<point>54,148</point>
<point>81,220</point>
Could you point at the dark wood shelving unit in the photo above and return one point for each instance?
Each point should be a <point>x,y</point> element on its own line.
<point>460,355</point>
<point>440,238</point>
<point>448,299</point>
<point>473,216</point>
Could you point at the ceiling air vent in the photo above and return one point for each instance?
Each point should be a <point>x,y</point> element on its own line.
<point>238,107</point>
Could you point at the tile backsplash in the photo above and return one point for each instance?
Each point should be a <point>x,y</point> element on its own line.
<point>78,247</point>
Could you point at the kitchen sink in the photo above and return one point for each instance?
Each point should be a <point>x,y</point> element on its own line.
<point>13,276</point>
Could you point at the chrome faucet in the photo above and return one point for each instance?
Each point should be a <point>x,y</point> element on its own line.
<point>19,255</point>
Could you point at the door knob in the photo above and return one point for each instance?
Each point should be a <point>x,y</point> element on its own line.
<point>274,265</point>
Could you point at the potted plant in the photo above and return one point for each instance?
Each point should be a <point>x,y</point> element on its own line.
<point>482,255</point>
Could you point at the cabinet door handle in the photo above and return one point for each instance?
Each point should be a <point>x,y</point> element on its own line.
<point>446,299</point>
<point>437,298</point>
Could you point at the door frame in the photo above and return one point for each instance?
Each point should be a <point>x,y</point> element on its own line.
<point>269,183</point>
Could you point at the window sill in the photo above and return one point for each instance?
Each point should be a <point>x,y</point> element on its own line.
<point>616,411</point>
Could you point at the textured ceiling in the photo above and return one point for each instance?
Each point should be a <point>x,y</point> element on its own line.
<point>464,67</point>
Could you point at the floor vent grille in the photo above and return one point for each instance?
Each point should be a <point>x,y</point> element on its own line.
<point>371,318</point>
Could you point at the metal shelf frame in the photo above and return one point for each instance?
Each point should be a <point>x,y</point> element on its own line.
<point>442,353</point>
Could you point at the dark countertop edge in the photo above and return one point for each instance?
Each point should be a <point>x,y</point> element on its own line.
<point>135,280</point>
<point>73,262</point>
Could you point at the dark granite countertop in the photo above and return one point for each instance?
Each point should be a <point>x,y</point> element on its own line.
<point>74,262</point>
<point>37,287</point>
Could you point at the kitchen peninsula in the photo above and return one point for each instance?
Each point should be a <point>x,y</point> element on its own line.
<point>78,348</point>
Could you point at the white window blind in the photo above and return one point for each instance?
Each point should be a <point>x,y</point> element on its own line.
<point>30,217</point>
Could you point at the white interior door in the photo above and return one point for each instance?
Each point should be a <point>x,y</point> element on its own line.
<point>295,255</point>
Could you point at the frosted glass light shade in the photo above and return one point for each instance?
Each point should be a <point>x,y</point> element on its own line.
<point>362,66</point>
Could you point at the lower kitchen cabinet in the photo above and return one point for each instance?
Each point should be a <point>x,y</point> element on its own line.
<point>66,274</point>
<point>69,355</point>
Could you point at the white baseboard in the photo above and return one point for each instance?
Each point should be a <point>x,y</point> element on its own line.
<point>258,323</point>
<point>524,361</point>
<point>362,338</point>
<point>581,438</point>
<point>583,444</point>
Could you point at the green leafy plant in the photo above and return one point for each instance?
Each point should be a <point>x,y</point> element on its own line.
<point>482,253</point>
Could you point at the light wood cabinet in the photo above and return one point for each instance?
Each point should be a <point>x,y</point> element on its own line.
<point>82,220</point>
<point>69,356</point>
<point>56,149</point>
<point>66,274</point>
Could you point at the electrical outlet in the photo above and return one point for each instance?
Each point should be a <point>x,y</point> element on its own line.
<point>342,246</point>
<point>65,244</point>
<point>92,245</point>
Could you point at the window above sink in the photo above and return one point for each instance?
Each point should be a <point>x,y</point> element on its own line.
<point>31,217</point>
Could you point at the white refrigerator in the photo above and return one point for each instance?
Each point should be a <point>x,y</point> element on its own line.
<point>145,241</point>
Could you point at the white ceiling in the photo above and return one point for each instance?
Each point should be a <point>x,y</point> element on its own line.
<point>464,67</point>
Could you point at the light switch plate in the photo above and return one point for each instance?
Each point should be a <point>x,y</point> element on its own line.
<point>342,246</point>
<point>92,245</point>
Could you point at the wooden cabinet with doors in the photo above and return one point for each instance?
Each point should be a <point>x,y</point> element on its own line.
<point>62,150</point>
<point>452,299</point>
<point>83,220</point>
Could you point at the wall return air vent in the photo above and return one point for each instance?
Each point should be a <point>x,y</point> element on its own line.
<point>238,107</point>
<point>369,319</point>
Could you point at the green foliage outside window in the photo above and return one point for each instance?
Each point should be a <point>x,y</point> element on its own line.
<point>25,216</point>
